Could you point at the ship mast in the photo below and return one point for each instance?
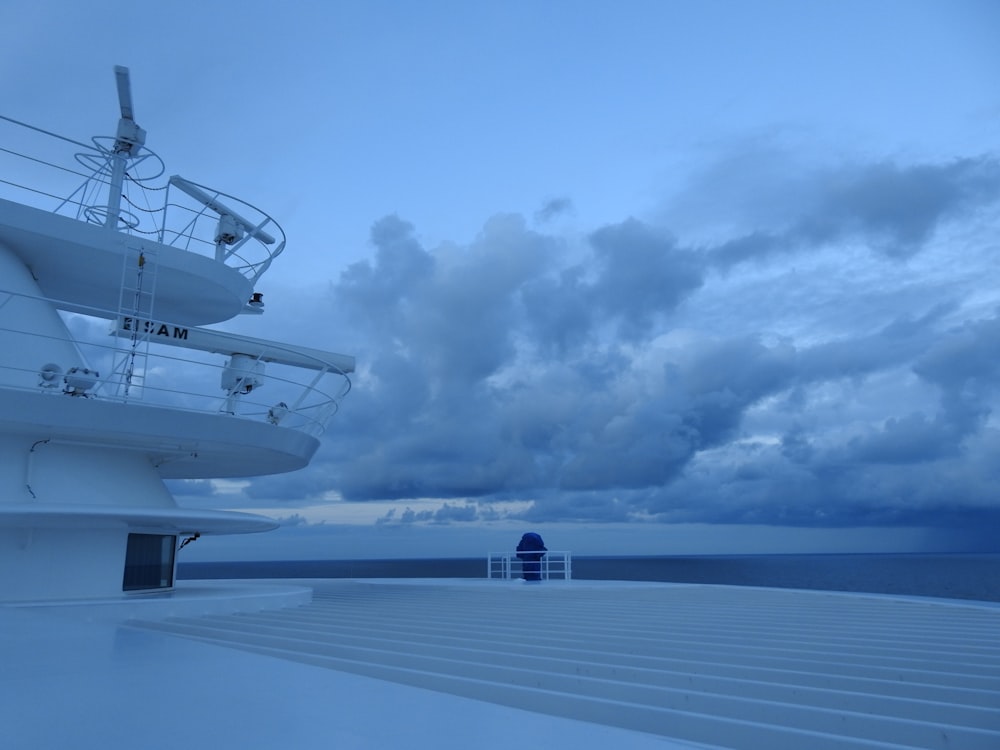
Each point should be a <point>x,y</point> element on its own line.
<point>128,142</point>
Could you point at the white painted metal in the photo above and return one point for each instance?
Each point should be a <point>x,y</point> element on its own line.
<point>78,265</point>
<point>557,564</point>
<point>128,143</point>
<point>137,300</point>
<point>21,358</point>
<point>222,342</point>
<point>729,667</point>
<point>85,446</point>
<point>80,675</point>
<point>212,202</point>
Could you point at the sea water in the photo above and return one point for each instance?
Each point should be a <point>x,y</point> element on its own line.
<point>954,576</point>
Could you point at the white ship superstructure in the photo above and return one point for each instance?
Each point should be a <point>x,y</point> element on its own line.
<point>110,379</point>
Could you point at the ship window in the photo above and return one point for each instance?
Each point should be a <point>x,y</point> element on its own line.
<point>149,562</point>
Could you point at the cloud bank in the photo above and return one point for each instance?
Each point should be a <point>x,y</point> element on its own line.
<point>833,365</point>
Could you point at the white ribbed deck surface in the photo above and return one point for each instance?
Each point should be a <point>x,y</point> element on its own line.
<point>760,669</point>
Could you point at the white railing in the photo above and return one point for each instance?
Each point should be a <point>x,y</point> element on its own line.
<point>72,178</point>
<point>556,564</point>
<point>303,398</point>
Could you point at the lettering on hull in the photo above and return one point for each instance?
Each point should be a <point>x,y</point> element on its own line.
<point>153,328</point>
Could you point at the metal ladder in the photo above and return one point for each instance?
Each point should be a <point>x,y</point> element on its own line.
<point>135,320</point>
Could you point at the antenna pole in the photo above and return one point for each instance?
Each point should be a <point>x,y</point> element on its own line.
<point>128,143</point>
<point>118,163</point>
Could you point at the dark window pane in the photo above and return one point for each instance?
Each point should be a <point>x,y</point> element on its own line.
<point>149,562</point>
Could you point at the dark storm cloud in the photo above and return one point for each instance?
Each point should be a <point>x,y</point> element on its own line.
<point>913,481</point>
<point>559,311</point>
<point>963,364</point>
<point>552,209</point>
<point>641,273</point>
<point>588,422</point>
<point>898,208</point>
<point>928,466</point>
<point>300,485</point>
<point>634,276</point>
<point>467,407</point>
<point>892,209</point>
<point>964,357</point>
<point>899,341</point>
<point>523,366</point>
<point>911,439</point>
<point>748,247</point>
<point>385,289</point>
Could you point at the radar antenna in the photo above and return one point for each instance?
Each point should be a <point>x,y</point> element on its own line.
<point>128,143</point>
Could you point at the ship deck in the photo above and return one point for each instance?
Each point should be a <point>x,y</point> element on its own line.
<point>460,663</point>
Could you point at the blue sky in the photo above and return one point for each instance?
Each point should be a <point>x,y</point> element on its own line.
<point>671,270</point>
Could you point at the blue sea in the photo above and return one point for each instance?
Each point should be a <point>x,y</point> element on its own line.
<point>953,576</point>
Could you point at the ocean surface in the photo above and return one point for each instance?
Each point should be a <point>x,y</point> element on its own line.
<point>954,576</point>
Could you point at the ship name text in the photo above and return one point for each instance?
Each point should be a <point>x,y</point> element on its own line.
<point>153,328</point>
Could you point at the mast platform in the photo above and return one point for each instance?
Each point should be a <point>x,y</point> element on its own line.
<point>79,266</point>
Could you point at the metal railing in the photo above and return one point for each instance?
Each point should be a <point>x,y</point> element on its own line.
<point>53,173</point>
<point>557,564</point>
<point>304,399</point>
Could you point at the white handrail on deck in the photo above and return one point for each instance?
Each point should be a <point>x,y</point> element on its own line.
<point>555,564</point>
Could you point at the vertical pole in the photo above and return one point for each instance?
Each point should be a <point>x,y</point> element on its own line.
<point>115,190</point>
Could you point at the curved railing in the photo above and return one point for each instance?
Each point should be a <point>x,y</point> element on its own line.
<point>111,368</point>
<point>175,212</point>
